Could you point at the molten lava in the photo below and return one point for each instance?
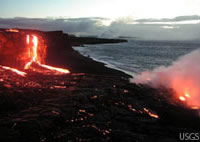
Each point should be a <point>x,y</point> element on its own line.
<point>29,54</point>
<point>14,70</point>
<point>55,69</point>
<point>186,87</point>
<point>34,57</point>
<point>150,113</point>
<point>187,95</point>
<point>182,98</point>
<point>187,91</point>
<point>12,30</point>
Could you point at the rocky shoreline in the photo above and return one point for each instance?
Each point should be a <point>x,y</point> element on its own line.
<point>93,103</point>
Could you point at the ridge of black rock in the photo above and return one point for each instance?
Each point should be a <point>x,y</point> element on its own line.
<point>60,52</point>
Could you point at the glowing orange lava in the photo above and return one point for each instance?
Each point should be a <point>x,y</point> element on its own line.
<point>27,39</point>
<point>182,98</point>
<point>14,70</point>
<point>61,70</point>
<point>187,98</point>
<point>150,113</point>
<point>186,90</point>
<point>187,95</point>
<point>33,53</point>
<point>12,30</point>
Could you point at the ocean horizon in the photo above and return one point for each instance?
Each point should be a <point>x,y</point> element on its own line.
<point>136,56</point>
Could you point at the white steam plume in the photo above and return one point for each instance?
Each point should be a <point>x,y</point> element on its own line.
<point>183,76</point>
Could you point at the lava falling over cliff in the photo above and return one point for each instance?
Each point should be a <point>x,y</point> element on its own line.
<point>20,50</point>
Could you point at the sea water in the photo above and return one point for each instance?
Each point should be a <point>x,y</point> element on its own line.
<point>136,56</point>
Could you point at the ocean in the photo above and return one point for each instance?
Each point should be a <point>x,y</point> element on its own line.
<point>137,56</point>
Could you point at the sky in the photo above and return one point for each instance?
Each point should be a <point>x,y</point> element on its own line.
<point>111,9</point>
<point>142,19</point>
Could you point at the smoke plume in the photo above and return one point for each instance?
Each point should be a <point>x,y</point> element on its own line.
<point>183,76</point>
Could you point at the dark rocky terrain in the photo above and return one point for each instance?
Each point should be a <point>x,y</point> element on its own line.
<point>80,41</point>
<point>93,103</point>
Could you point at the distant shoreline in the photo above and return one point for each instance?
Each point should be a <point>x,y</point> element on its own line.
<point>80,41</point>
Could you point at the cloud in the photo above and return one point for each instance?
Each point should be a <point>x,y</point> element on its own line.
<point>176,19</point>
<point>76,25</point>
<point>154,31</point>
<point>121,27</point>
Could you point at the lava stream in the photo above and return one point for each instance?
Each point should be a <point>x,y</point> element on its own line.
<point>35,57</point>
<point>12,30</point>
<point>14,70</point>
<point>55,69</point>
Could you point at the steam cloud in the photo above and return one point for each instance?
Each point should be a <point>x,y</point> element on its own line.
<point>183,76</point>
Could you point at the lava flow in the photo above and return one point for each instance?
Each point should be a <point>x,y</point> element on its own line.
<point>25,54</point>
<point>12,30</point>
<point>186,91</point>
<point>33,53</point>
<point>14,70</point>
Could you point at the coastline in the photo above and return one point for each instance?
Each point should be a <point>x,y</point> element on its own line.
<point>72,59</point>
<point>106,64</point>
<point>93,103</point>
